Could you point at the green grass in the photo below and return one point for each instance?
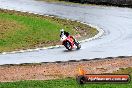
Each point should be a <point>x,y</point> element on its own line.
<point>23,30</point>
<point>33,30</point>
<point>67,83</point>
<point>63,83</point>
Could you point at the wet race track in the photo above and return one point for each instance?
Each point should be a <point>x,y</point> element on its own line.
<point>116,23</point>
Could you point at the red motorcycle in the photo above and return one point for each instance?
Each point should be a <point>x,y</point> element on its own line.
<point>69,42</point>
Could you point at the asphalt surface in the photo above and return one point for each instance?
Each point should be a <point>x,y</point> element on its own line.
<point>116,23</point>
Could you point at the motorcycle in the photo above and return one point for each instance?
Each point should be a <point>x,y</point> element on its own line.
<point>69,42</point>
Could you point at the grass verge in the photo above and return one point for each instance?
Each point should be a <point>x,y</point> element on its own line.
<point>62,83</point>
<point>25,30</point>
<point>66,83</point>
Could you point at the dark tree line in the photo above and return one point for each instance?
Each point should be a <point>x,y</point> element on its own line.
<point>105,2</point>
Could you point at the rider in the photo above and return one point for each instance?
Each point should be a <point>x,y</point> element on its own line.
<point>67,34</point>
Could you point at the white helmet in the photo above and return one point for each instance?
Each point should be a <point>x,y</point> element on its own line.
<point>62,30</point>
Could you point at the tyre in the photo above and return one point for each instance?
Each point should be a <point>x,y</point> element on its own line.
<point>78,45</point>
<point>81,79</point>
<point>68,45</point>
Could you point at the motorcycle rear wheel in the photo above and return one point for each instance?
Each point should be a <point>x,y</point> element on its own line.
<point>68,45</point>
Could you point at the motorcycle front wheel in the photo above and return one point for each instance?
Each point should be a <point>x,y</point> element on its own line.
<point>78,45</point>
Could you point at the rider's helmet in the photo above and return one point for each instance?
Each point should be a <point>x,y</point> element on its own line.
<point>62,30</point>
